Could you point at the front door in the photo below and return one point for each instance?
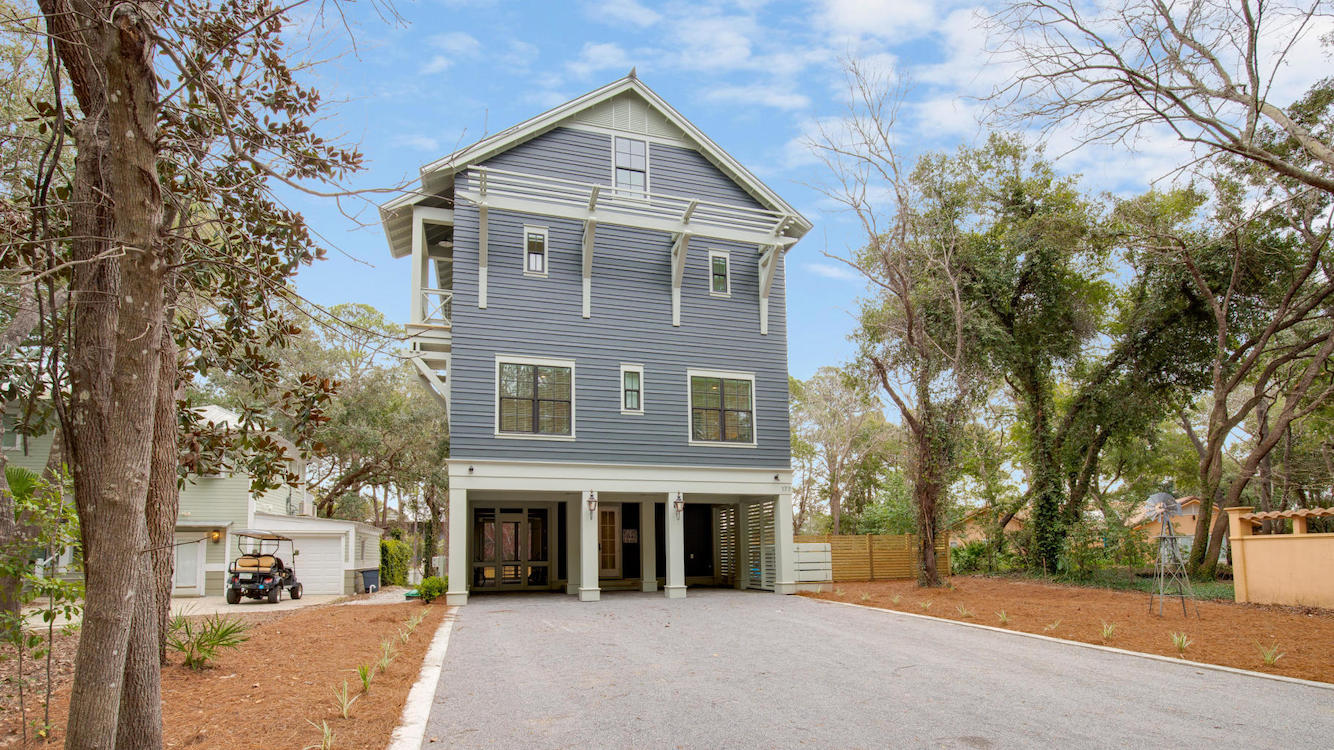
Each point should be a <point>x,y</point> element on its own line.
<point>189,568</point>
<point>609,541</point>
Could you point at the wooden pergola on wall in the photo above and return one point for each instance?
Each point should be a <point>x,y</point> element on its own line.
<point>1290,569</point>
<point>876,557</point>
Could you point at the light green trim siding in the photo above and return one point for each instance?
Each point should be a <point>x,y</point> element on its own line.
<point>34,458</point>
<point>213,582</point>
<point>221,498</point>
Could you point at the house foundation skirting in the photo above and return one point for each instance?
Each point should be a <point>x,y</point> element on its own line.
<point>586,528</point>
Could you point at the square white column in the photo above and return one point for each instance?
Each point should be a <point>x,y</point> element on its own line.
<point>572,506</point>
<point>459,573</point>
<point>588,552</point>
<point>674,537</point>
<point>785,551</point>
<point>648,546</point>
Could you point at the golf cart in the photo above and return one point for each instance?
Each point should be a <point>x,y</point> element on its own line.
<point>258,573</point>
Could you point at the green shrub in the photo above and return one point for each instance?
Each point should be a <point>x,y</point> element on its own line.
<point>432,588</point>
<point>394,557</point>
<point>200,641</point>
<point>969,558</point>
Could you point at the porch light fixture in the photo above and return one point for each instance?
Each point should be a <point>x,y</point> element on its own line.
<point>592,503</point>
<point>215,536</point>
<point>679,504</point>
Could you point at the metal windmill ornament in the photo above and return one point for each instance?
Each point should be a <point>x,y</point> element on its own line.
<point>1170,567</point>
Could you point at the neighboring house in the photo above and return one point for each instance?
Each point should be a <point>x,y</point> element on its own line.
<point>598,303</point>
<point>329,552</point>
<point>973,527</point>
<point>1183,523</point>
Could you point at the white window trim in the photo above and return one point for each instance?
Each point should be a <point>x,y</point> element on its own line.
<point>546,250</point>
<point>542,361</point>
<point>728,259</point>
<point>625,367</point>
<point>690,412</point>
<point>648,188</point>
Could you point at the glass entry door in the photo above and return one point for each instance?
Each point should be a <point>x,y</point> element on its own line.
<point>511,548</point>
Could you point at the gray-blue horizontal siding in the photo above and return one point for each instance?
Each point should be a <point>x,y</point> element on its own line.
<point>631,323</point>
<point>587,157</point>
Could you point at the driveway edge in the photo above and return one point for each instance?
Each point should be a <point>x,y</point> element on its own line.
<point>411,729</point>
<point>1082,644</point>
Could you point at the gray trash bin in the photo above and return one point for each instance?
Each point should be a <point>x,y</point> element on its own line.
<point>370,580</point>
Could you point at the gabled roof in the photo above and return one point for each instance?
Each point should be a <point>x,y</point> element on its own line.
<point>438,174</point>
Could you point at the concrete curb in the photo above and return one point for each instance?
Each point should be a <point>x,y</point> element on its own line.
<point>411,729</point>
<point>1094,646</point>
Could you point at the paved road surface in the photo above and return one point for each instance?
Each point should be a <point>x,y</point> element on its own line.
<point>745,669</point>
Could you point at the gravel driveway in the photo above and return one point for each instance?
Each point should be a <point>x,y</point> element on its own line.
<point>745,669</point>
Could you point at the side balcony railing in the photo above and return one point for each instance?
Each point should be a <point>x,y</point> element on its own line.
<point>557,196</point>
<point>437,307</point>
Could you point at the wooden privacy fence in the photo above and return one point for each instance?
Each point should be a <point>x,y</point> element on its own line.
<point>876,557</point>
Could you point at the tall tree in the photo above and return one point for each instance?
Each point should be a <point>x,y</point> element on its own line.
<point>1204,70</point>
<point>917,334</point>
<point>835,414</point>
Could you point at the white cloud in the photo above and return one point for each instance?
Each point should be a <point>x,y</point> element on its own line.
<point>457,43</point>
<point>628,12</point>
<point>519,54</point>
<point>713,42</point>
<point>419,142</point>
<point>890,20</point>
<point>832,271</point>
<point>437,64</point>
<point>597,57</point>
<point>765,95</point>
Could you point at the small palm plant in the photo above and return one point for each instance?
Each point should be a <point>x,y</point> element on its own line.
<point>895,599</point>
<point>201,641</point>
<point>1182,642</point>
<point>1051,626</point>
<point>326,736</point>
<point>964,611</point>
<point>925,604</point>
<point>1270,655</point>
<point>344,700</point>
<point>1004,618</point>
<point>367,673</point>
<point>866,597</point>
<point>1108,630</point>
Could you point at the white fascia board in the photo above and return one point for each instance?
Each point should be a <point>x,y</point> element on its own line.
<point>579,477</point>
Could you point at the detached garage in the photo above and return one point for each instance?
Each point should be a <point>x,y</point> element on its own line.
<point>329,551</point>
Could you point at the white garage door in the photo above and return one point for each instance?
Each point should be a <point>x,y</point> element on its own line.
<point>319,567</point>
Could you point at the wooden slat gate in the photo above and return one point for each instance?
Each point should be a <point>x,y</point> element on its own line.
<point>876,557</point>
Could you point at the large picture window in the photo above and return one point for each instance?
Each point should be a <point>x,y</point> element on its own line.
<point>535,399</point>
<point>722,408</point>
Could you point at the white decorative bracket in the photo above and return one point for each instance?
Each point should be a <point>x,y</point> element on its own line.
<point>768,266</point>
<point>679,250</point>
<point>590,230</point>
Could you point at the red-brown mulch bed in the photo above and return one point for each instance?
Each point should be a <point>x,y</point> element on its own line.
<point>263,694</point>
<point>1225,633</point>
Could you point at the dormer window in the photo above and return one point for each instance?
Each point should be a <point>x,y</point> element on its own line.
<point>535,251</point>
<point>631,166</point>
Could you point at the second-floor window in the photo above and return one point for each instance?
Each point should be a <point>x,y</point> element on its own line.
<point>632,389</point>
<point>535,399</point>
<point>535,251</point>
<point>722,408</point>
<point>631,166</point>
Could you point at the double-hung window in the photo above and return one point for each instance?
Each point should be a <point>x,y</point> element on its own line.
<point>632,389</point>
<point>720,278</point>
<point>722,407</point>
<point>535,398</point>
<point>631,166</point>
<point>535,251</point>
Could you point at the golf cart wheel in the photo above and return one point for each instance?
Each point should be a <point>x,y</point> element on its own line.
<point>295,592</point>
<point>233,596</point>
<point>273,594</point>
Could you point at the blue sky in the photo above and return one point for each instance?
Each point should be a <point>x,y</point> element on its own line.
<point>756,76</point>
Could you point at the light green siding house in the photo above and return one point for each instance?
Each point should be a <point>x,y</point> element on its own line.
<point>212,507</point>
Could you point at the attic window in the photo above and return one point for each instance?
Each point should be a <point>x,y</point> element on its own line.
<point>631,166</point>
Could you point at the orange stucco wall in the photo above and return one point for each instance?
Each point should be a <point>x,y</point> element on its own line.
<point>1291,569</point>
